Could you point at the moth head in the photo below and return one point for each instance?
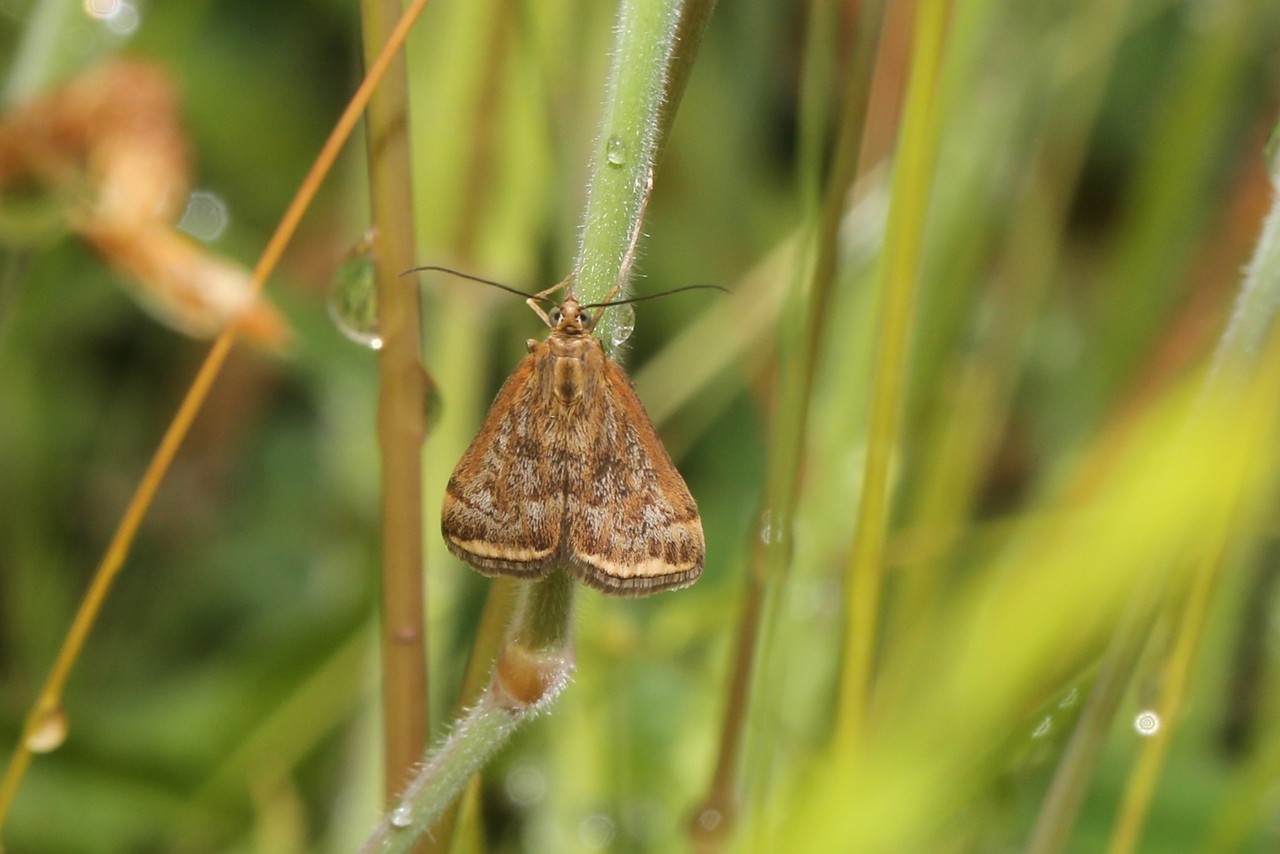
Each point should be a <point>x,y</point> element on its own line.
<point>568,318</point>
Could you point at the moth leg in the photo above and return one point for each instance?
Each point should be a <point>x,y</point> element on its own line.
<point>545,296</point>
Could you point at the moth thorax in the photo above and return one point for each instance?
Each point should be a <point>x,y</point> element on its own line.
<point>567,378</point>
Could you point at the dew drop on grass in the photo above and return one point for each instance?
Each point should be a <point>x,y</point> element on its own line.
<point>525,785</point>
<point>710,818</point>
<point>771,530</point>
<point>50,731</point>
<point>205,217</point>
<point>353,298</point>
<point>118,16</point>
<point>624,323</point>
<point>1147,723</point>
<point>710,825</point>
<point>615,151</point>
<point>402,816</point>
<point>597,831</point>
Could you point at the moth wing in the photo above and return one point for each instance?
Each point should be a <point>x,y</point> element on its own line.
<point>632,527</point>
<point>504,504</point>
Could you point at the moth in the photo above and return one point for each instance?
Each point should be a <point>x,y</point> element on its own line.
<point>568,472</point>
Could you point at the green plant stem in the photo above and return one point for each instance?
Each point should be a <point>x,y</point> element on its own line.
<point>499,607</point>
<point>899,282</point>
<point>1176,686</point>
<point>1066,793</point>
<point>536,657</point>
<point>1250,335</point>
<point>402,395</point>
<point>626,150</point>
<point>533,668</point>
<point>544,613</point>
<point>475,737</point>
<point>714,820</point>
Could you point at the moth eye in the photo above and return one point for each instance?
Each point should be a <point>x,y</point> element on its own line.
<point>555,315</point>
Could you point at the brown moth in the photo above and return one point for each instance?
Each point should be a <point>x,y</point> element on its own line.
<point>567,471</point>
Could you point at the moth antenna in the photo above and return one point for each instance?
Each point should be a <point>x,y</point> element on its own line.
<point>433,268</point>
<point>655,296</point>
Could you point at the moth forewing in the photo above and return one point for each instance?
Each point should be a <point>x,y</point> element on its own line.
<point>500,513</point>
<point>632,527</point>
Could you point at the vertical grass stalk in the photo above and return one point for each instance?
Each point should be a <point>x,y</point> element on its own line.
<point>714,819</point>
<point>899,282</point>
<point>626,150</point>
<point>401,422</point>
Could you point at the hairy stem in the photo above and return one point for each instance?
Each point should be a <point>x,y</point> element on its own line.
<point>626,150</point>
<point>533,667</point>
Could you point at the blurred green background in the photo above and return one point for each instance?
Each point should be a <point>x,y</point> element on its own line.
<point>1100,184</point>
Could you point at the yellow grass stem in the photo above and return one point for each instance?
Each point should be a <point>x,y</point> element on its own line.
<point>898,281</point>
<point>402,411</point>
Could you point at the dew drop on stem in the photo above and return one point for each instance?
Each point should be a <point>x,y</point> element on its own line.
<point>353,298</point>
<point>402,816</point>
<point>615,151</point>
<point>624,323</point>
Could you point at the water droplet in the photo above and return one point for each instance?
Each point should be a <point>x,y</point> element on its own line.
<point>50,731</point>
<point>615,151</point>
<point>709,818</point>
<point>525,785</point>
<point>770,528</point>
<point>205,217</point>
<point>353,299</point>
<point>118,16</point>
<point>597,831</point>
<point>1147,723</point>
<point>402,816</point>
<point>624,323</point>
<point>1042,729</point>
